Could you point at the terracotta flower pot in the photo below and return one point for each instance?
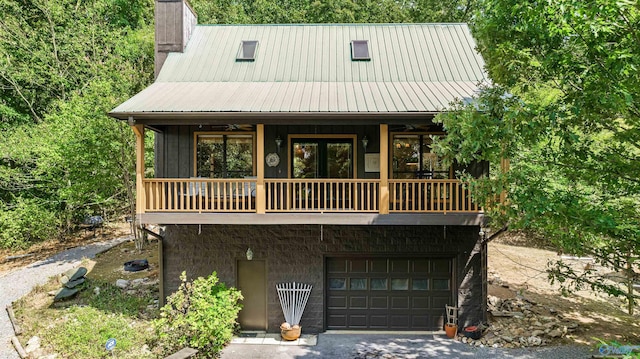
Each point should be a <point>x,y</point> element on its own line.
<point>292,333</point>
<point>451,330</point>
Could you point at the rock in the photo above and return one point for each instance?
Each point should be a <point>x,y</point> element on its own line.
<point>64,293</point>
<point>537,333</point>
<point>74,283</point>
<point>507,338</point>
<point>497,313</point>
<point>145,349</point>
<point>33,344</point>
<point>137,282</point>
<point>555,333</point>
<point>533,340</point>
<point>552,310</point>
<point>122,283</point>
<point>96,290</point>
<point>572,326</point>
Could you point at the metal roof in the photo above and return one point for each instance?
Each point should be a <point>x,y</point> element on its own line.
<point>308,68</point>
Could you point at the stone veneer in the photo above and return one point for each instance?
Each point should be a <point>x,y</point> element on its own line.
<point>297,252</point>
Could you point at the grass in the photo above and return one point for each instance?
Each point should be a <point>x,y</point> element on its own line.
<point>81,326</point>
<point>84,330</point>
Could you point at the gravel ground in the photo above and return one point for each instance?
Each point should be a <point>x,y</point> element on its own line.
<point>17,283</point>
<point>352,346</point>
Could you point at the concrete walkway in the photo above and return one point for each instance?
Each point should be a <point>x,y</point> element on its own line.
<point>351,346</point>
<point>17,283</point>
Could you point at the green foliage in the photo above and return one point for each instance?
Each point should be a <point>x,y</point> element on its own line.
<point>564,111</point>
<point>65,64</point>
<point>83,332</point>
<point>201,314</point>
<point>330,11</point>
<point>114,299</point>
<point>28,221</point>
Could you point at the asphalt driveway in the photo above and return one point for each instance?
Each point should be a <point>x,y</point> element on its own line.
<point>351,346</point>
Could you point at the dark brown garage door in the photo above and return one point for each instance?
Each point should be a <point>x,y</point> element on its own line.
<point>388,293</point>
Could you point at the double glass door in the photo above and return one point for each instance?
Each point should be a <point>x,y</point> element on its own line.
<point>322,158</point>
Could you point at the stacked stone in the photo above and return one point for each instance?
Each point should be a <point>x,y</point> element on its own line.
<point>521,322</point>
<point>71,281</point>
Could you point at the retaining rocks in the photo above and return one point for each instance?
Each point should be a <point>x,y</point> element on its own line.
<point>521,322</point>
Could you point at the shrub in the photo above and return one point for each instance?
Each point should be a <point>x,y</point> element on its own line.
<point>28,222</point>
<point>200,314</point>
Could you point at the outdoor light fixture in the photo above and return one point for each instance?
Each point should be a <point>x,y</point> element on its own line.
<point>278,143</point>
<point>249,254</point>
<point>365,142</point>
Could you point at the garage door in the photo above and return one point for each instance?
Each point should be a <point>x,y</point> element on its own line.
<point>388,293</point>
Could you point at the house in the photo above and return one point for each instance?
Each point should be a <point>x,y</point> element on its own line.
<point>301,153</point>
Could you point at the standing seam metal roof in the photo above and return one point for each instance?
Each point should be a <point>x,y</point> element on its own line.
<point>308,68</point>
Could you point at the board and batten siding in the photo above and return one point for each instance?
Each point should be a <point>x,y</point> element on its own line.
<point>174,149</point>
<point>175,144</point>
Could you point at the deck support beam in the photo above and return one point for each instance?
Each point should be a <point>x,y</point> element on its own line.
<point>140,200</point>
<point>384,169</point>
<point>261,203</point>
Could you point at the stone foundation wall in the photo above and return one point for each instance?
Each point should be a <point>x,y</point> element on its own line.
<point>296,253</point>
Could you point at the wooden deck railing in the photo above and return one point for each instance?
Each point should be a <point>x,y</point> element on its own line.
<point>199,195</point>
<point>305,195</point>
<point>322,195</point>
<point>430,196</point>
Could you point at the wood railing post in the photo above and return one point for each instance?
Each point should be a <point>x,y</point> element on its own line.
<point>140,193</point>
<point>384,169</point>
<point>261,195</point>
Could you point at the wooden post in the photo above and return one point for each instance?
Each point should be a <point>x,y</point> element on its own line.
<point>140,198</point>
<point>261,195</point>
<point>384,169</point>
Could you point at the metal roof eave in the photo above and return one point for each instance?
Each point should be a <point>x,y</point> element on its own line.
<point>275,118</point>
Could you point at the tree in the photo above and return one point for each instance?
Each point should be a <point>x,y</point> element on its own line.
<point>64,65</point>
<point>564,110</point>
<point>331,11</point>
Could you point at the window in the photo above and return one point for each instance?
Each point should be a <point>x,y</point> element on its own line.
<point>360,50</point>
<point>412,158</point>
<point>224,155</point>
<point>247,51</point>
<point>322,157</point>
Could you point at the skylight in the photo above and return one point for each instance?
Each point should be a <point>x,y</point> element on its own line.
<point>360,50</point>
<point>247,51</point>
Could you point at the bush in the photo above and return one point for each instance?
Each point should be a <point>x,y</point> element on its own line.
<point>28,222</point>
<point>200,314</point>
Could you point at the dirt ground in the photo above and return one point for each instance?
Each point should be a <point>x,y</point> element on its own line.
<point>520,268</point>
<point>46,249</point>
<point>109,266</point>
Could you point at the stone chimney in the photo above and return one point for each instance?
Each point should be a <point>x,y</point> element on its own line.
<point>175,21</point>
